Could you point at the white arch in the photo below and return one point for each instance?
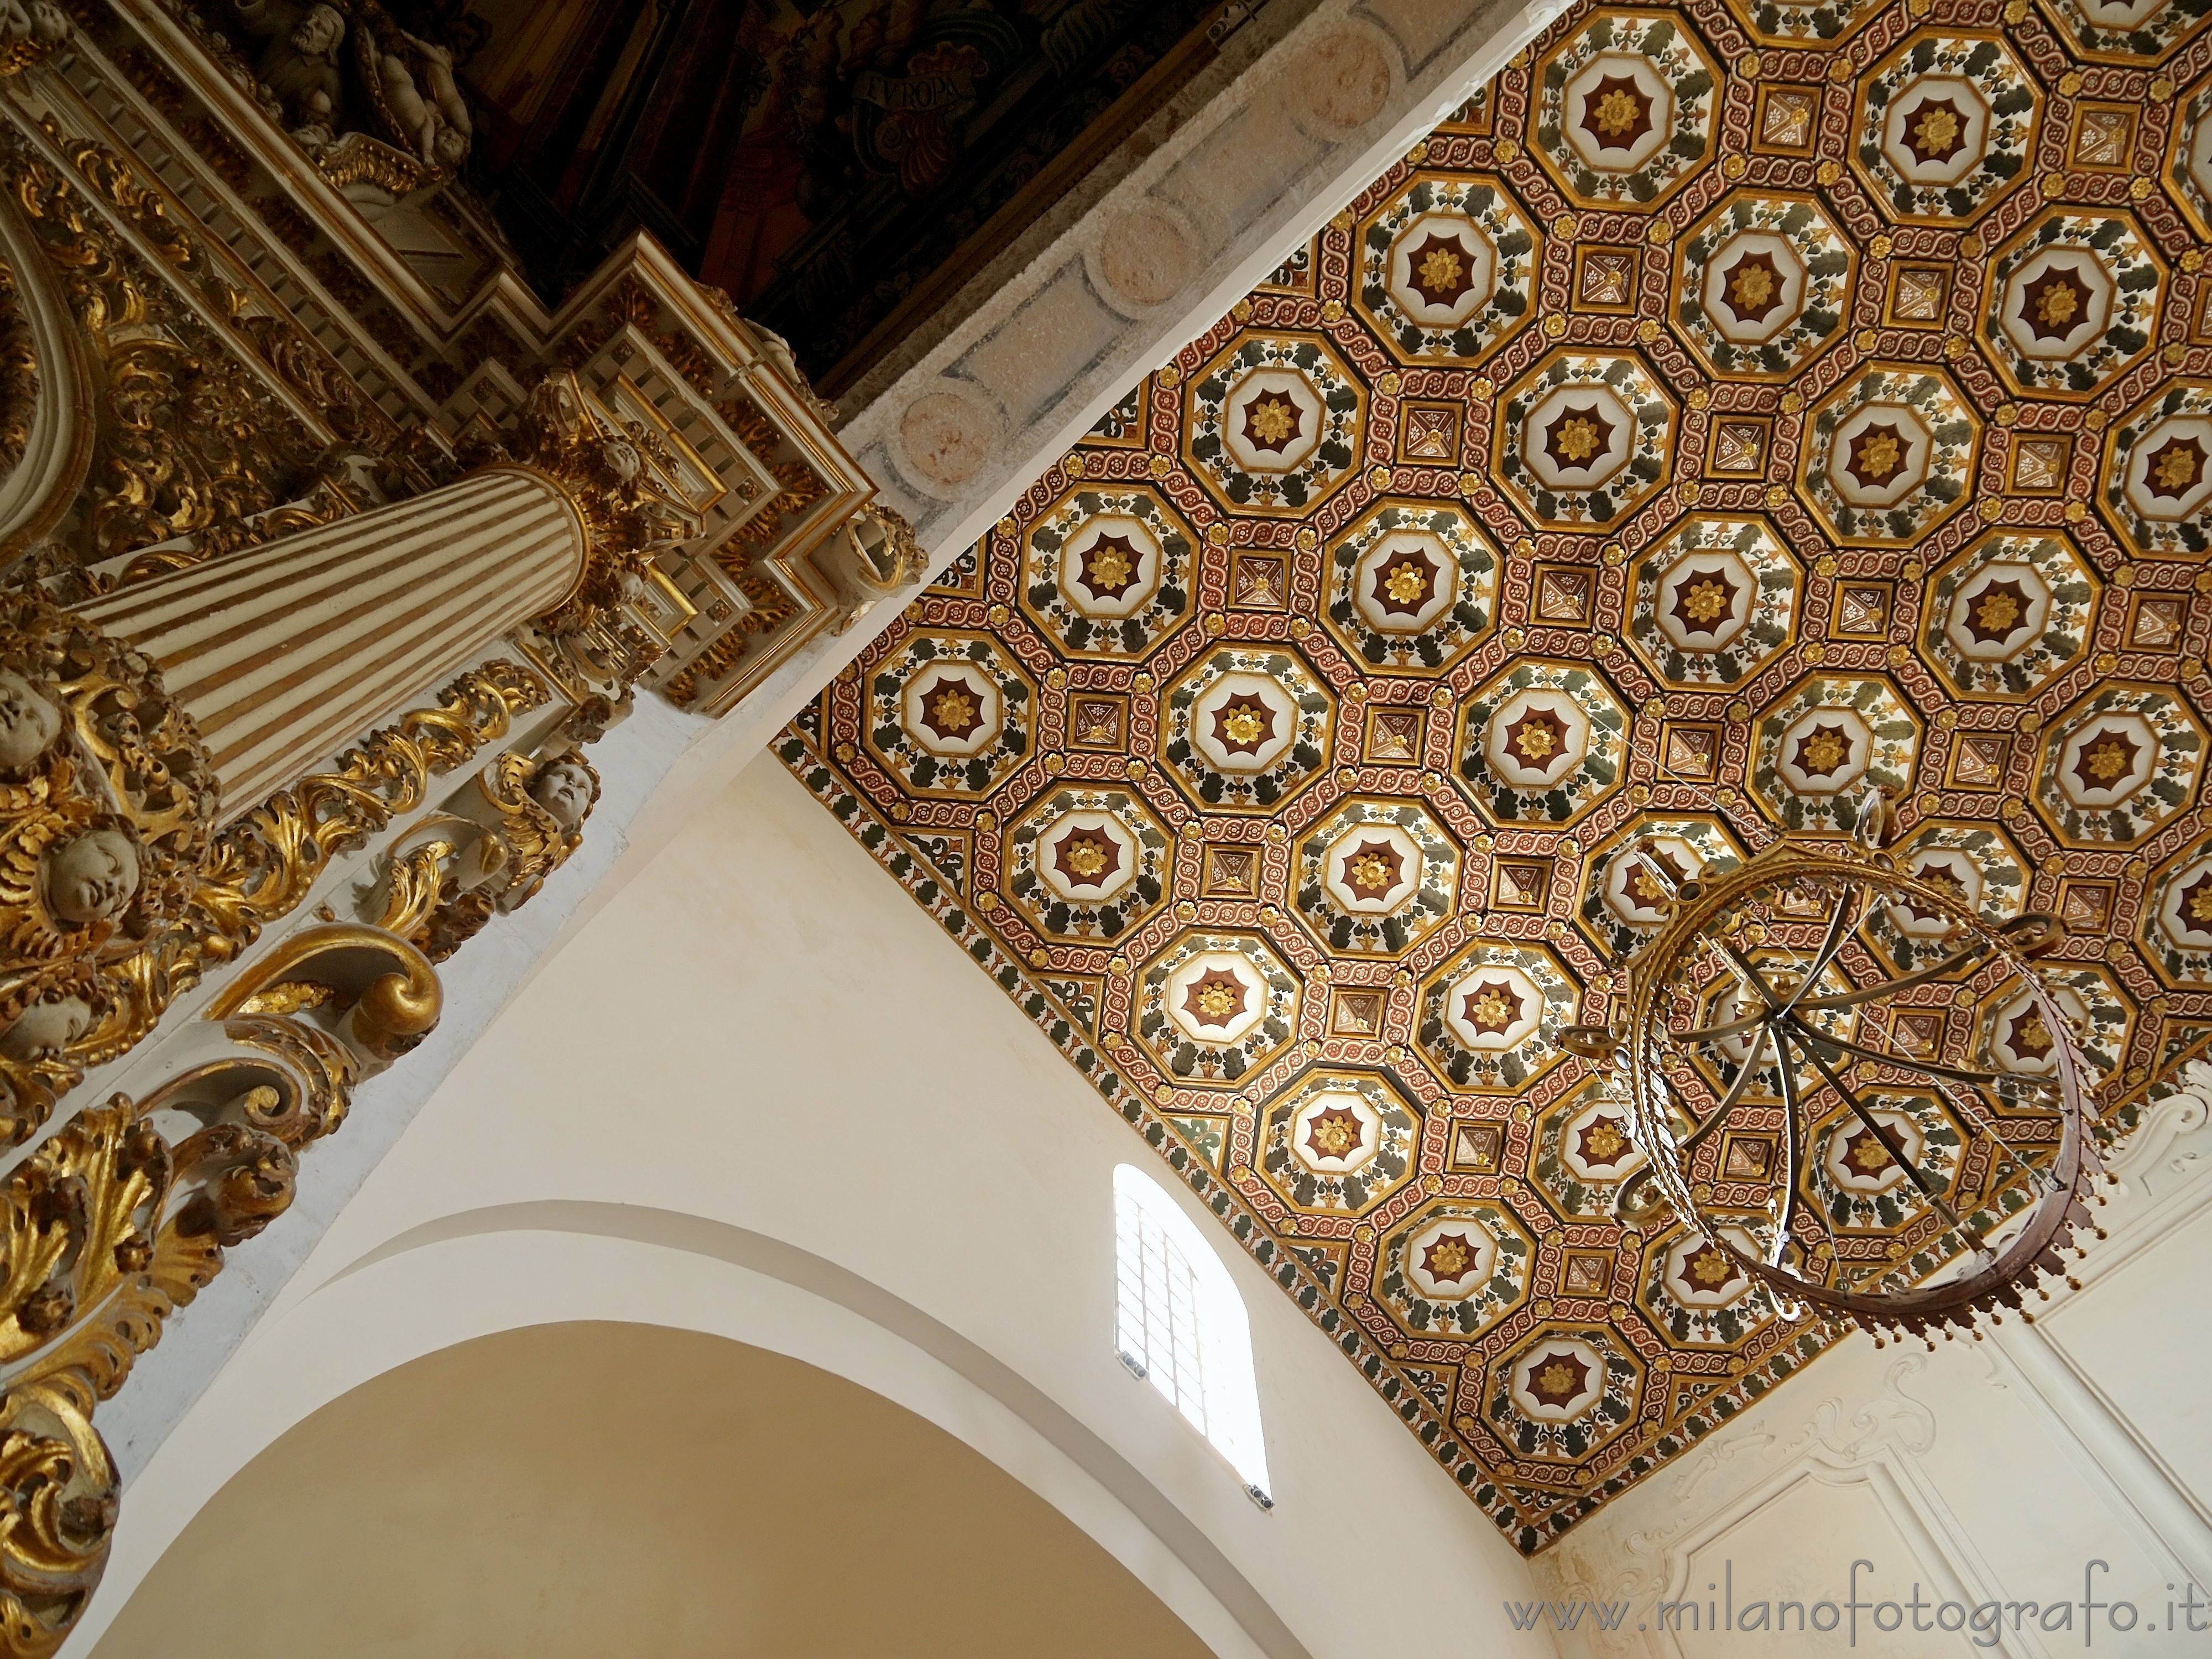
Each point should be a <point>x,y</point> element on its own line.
<point>480,1272</point>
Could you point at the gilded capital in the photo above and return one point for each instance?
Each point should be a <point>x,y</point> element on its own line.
<point>609,475</point>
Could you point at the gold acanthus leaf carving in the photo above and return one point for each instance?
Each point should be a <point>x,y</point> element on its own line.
<point>109,1229</point>
<point>107,801</point>
<point>190,440</point>
<point>28,35</point>
<point>604,470</point>
<point>264,866</point>
<point>183,447</point>
<point>64,1495</point>
<point>19,373</point>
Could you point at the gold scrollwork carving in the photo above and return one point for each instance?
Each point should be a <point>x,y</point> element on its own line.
<point>63,1492</point>
<point>107,800</point>
<point>109,1228</point>
<point>530,818</point>
<point>264,866</point>
<point>19,373</point>
<point>189,439</point>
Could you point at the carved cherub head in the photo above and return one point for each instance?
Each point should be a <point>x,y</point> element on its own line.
<point>450,146</point>
<point>46,1027</point>
<point>29,722</point>
<point>566,789</point>
<point>91,876</point>
<point>621,459</point>
<point>319,32</point>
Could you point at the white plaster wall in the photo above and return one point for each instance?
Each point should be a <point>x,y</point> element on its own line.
<point>1983,1471</point>
<point>760,1093</point>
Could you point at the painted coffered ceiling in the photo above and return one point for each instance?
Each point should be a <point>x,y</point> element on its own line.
<point>1733,409</point>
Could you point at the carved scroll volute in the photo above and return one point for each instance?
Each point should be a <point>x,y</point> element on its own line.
<point>107,800</point>
<point>46,432</point>
<point>58,1501</point>
<point>108,1231</point>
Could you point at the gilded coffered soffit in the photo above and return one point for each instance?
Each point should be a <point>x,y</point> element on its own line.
<point>1732,409</point>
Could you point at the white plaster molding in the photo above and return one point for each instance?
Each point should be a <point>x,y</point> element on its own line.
<point>2167,1121</point>
<point>1876,1444</point>
<point>2166,1518</point>
<point>1208,214</point>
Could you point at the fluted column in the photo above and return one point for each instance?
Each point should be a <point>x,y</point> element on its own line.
<point>284,653</point>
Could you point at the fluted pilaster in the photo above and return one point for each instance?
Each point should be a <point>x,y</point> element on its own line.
<point>284,653</point>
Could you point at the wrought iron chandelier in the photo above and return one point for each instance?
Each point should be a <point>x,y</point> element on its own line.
<point>1855,1085</point>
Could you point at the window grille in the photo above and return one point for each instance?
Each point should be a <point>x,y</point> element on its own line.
<point>1180,1325</point>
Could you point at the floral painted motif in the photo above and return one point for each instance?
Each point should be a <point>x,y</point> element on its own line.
<point>950,714</point>
<point>1339,1144</point>
<point>1823,747</point>
<point>1889,456</point>
<point>1713,601</point>
<point>2009,614</point>
<point>1376,876</point>
<point>1762,285</point>
<point>1415,585</point>
<point>1216,1005</point>
<point>1542,743</point>
<point>1456,1269</point>
<point>1489,1017</point>
<point>1106,571</point>
<point>2121,763</point>
<point>1582,440</point>
<point>2073,301</point>
<point>1624,109</point>
<point>1274,423</point>
<point>1947,124</point>
<point>1245,728</point>
<point>1448,267</point>
<point>1087,864</point>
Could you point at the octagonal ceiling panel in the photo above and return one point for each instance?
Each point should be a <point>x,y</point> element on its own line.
<point>1288,750</point>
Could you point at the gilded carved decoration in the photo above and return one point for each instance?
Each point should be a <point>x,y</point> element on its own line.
<point>1729,416</point>
<point>263,867</point>
<point>611,474</point>
<point>29,31</point>
<point>126,782</point>
<point>19,373</point>
<point>165,408</point>
<point>106,805</point>
<point>111,1225</point>
<point>492,853</point>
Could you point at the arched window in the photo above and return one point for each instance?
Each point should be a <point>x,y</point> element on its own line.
<point>1180,1324</point>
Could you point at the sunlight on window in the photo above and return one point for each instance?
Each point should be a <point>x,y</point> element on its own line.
<point>1180,1325</point>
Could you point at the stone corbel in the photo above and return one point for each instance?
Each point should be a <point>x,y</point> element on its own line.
<point>870,559</point>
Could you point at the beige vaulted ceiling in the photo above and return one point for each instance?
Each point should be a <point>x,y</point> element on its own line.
<point>507,1497</point>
